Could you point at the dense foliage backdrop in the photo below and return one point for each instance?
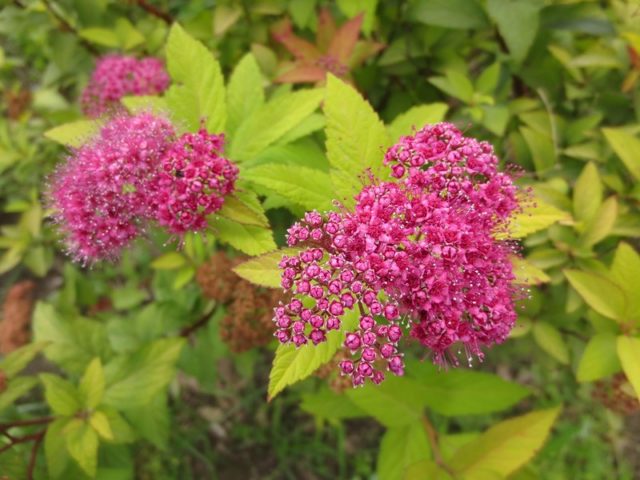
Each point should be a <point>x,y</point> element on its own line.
<point>159,364</point>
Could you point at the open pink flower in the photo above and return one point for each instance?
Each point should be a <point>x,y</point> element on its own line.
<point>116,76</point>
<point>100,193</point>
<point>192,181</point>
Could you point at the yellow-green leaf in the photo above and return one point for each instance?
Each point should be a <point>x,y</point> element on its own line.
<point>625,271</point>
<point>92,384</point>
<point>198,91</point>
<point>100,423</point>
<point>506,446</point>
<point>292,364</point>
<point>356,139</point>
<point>626,146</point>
<point>550,340</point>
<point>73,134</point>
<point>263,270</point>
<point>602,223</point>
<point>599,359</point>
<point>416,117</point>
<point>536,215</point>
<point>169,261</point>
<point>60,394</point>
<point>629,353</point>
<point>528,274</point>
<point>587,193</point>
<point>82,444</point>
<point>600,293</point>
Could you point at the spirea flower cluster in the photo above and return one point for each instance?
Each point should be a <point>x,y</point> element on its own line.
<point>117,76</point>
<point>417,255</point>
<point>136,170</point>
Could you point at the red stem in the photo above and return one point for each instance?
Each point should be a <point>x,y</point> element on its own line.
<point>155,11</point>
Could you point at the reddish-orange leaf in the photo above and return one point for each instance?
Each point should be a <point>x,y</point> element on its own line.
<point>299,47</point>
<point>302,74</point>
<point>326,29</point>
<point>344,41</point>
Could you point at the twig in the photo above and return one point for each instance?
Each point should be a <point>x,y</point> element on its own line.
<point>189,329</point>
<point>67,27</point>
<point>432,435</point>
<point>34,455</point>
<point>156,12</point>
<point>27,438</point>
<point>26,423</point>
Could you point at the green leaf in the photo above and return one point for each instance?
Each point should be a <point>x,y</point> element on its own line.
<point>100,36</point>
<point>400,448</point>
<point>55,449</point>
<point>61,395</point>
<point>100,423</point>
<point>599,359</point>
<point>517,22</point>
<point>629,354</point>
<point>128,297</point>
<point>153,421</point>
<point>465,392</point>
<point>312,123</point>
<point>169,261</point>
<point>587,193</point>
<point>550,340</point>
<point>73,134</point>
<point>17,360</point>
<point>292,364</point>
<point>128,35</point>
<point>146,103</point>
<point>183,276</point>
<point>528,274</point>
<point>505,447</point>
<point>398,401</point>
<point>356,139</point>
<point>272,121</point>
<point>416,117</point>
<point>627,147</point>
<point>245,94</point>
<point>248,239</point>
<point>198,91</point>
<point>82,444</point>
<point>308,187</point>
<point>625,272</point>
<point>426,470</point>
<point>601,224</point>
<point>541,148</point>
<point>245,208</point>
<point>455,84</point>
<point>461,14</point>
<point>92,384</point>
<point>263,270</point>
<point>536,215</point>
<point>133,380</point>
<point>74,341</point>
<point>329,405</point>
<point>15,389</point>
<point>600,293</point>
<point>120,429</point>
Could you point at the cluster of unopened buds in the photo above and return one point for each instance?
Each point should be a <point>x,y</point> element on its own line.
<point>417,254</point>
<point>137,170</point>
<point>117,76</point>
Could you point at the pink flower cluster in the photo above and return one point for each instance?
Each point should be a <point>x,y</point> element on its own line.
<point>116,76</point>
<point>192,182</point>
<point>417,254</point>
<point>136,171</point>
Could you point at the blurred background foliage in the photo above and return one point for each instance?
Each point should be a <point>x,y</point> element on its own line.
<point>553,85</point>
